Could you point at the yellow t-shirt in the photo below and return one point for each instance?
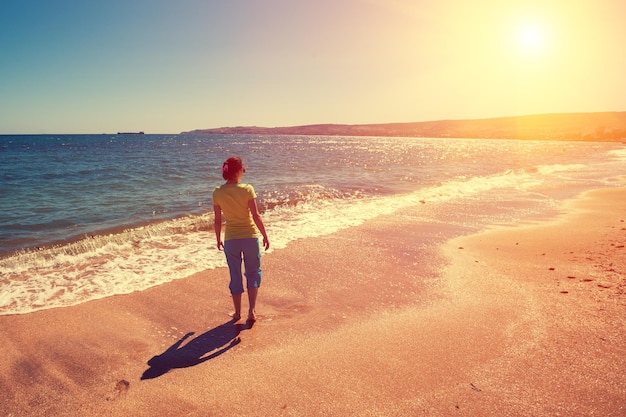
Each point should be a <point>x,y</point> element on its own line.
<point>233,200</point>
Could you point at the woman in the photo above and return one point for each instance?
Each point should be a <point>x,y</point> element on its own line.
<point>237,203</point>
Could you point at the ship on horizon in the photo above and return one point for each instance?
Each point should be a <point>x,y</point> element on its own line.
<point>131,133</point>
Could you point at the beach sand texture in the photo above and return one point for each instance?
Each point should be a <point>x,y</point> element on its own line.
<point>518,320</point>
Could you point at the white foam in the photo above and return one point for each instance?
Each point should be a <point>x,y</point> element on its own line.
<point>619,154</point>
<point>553,169</point>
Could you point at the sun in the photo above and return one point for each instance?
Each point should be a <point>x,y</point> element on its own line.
<point>531,38</point>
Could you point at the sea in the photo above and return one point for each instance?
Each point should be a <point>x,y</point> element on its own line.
<point>84,217</point>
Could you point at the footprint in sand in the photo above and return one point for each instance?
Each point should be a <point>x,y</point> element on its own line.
<point>120,389</point>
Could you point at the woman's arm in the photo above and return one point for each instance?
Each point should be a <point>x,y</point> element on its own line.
<point>217,225</point>
<point>256,216</point>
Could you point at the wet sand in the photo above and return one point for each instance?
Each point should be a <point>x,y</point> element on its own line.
<point>518,320</point>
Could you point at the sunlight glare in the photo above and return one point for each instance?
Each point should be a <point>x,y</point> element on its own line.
<point>531,37</point>
<point>532,43</point>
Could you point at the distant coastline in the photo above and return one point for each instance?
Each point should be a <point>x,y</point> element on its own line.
<point>600,126</point>
<point>130,133</point>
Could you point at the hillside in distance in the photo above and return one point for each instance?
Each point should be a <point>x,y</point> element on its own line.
<point>601,126</point>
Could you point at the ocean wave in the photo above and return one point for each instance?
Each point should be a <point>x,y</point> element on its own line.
<point>619,154</point>
<point>98,266</point>
<point>552,169</point>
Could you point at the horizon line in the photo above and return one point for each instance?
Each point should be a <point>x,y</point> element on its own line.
<point>323,124</point>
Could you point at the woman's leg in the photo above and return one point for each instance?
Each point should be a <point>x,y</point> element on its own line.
<point>252,294</point>
<point>233,252</point>
<point>252,264</point>
<point>237,305</point>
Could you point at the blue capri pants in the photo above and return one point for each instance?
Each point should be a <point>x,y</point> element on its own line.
<point>248,251</point>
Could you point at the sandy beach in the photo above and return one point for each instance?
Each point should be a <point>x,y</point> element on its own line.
<point>517,320</point>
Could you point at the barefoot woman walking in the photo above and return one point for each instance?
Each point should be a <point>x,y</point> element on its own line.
<point>236,202</point>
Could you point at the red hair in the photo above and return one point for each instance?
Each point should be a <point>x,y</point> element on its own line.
<point>231,167</point>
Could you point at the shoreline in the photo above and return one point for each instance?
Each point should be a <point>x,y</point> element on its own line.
<point>515,320</point>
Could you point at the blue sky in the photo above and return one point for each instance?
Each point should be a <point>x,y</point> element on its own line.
<point>171,66</point>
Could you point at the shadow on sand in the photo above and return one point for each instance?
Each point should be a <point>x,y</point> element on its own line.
<point>216,341</point>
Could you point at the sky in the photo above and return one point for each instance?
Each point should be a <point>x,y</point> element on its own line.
<point>164,66</point>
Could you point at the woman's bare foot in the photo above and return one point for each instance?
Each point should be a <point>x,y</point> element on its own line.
<point>251,316</point>
<point>235,316</point>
